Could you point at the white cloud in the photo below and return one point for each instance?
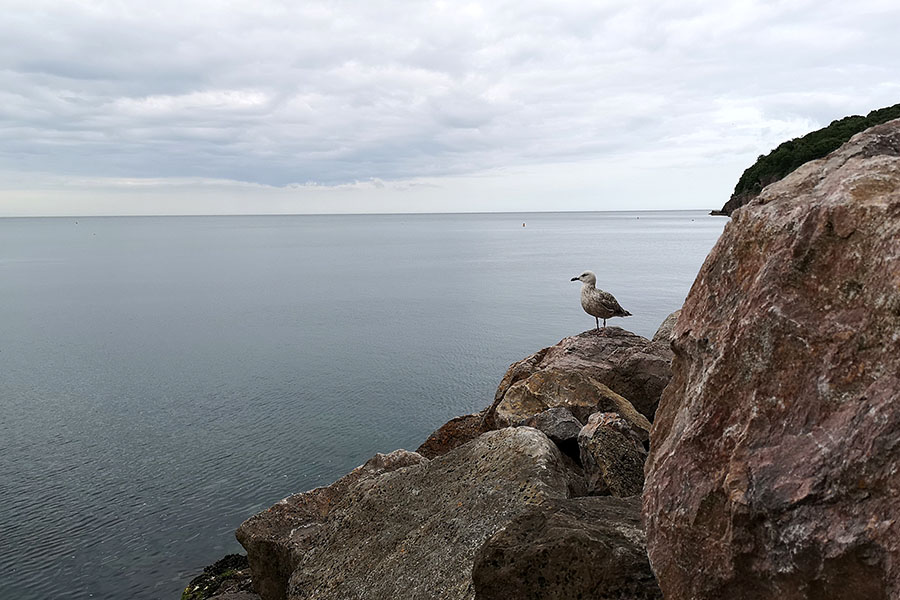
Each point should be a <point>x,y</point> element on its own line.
<point>277,93</point>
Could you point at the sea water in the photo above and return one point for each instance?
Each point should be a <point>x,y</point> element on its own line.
<point>164,378</point>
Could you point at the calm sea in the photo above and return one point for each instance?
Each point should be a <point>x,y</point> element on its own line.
<point>162,379</point>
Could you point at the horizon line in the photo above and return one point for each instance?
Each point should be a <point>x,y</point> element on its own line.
<point>358,214</point>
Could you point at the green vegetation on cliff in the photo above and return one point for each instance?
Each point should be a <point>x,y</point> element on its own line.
<point>793,153</point>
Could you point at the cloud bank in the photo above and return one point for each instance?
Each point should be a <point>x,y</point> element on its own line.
<point>272,99</point>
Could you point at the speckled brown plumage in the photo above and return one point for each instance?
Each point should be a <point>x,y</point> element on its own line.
<point>598,303</point>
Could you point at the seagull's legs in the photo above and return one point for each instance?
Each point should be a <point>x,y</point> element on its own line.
<point>598,323</point>
<point>604,323</point>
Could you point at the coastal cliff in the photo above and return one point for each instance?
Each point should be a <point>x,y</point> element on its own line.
<point>791,154</point>
<point>749,450</point>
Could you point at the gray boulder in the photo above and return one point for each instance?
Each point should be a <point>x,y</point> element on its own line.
<point>579,548</point>
<point>276,537</point>
<point>667,329</point>
<point>612,455</point>
<point>413,532</point>
<point>560,426</point>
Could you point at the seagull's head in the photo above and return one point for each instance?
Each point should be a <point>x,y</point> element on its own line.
<point>587,277</point>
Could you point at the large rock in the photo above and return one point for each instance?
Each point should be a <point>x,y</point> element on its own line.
<point>579,371</point>
<point>276,537</point>
<point>773,470</point>
<point>453,433</point>
<point>413,532</point>
<point>612,455</point>
<point>579,548</point>
<point>575,391</point>
<point>227,579</point>
<point>561,426</point>
<point>667,328</point>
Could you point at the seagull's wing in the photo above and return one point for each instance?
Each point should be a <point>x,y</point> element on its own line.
<point>611,304</point>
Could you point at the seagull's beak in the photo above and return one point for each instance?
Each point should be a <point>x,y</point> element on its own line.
<point>575,279</point>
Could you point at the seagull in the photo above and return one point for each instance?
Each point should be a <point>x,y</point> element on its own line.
<point>597,303</point>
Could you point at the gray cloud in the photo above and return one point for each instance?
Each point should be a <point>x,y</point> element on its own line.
<point>335,92</point>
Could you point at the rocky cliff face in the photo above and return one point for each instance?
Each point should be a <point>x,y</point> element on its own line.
<point>773,470</point>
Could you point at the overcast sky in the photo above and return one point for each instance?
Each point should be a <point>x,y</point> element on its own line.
<point>264,107</point>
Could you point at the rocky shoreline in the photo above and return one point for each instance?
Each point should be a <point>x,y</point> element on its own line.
<point>764,419</point>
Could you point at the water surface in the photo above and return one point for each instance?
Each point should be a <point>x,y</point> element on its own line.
<point>162,379</point>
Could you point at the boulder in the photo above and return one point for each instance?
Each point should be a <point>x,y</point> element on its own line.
<point>275,537</point>
<point>413,532</point>
<point>612,455</point>
<point>575,391</point>
<point>560,426</point>
<point>453,433</point>
<point>579,548</point>
<point>227,579</point>
<point>580,368</point>
<point>667,328</point>
<point>774,454</point>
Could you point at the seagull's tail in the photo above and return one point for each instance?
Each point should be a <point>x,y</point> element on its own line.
<point>625,313</point>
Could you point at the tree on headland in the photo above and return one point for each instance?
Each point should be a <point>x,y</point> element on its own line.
<point>789,155</point>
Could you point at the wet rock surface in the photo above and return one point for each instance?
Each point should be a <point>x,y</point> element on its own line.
<point>579,548</point>
<point>773,465</point>
<point>226,579</point>
<point>572,372</point>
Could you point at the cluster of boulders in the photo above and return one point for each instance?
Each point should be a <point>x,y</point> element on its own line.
<point>770,443</point>
<point>498,504</point>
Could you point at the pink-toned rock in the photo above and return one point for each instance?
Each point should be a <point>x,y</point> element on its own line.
<point>773,470</point>
<point>631,366</point>
<point>452,434</point>
<point>276,537</point>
